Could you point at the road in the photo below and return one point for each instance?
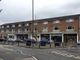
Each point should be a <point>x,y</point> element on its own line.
<point>41,54</point>
<point>10,54</point>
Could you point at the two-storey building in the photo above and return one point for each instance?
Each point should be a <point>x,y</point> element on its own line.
<point>60,29</point>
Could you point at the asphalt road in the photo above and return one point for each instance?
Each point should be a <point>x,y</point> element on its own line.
<point>10,54</point>
<point>41,54</point>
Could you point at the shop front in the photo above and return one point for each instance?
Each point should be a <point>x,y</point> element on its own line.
<point>70,39</point>
<point>22,36</point>
<point>57,38</point>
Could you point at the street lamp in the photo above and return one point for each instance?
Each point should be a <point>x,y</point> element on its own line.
<point>32,25</point>
<point>0,9</point>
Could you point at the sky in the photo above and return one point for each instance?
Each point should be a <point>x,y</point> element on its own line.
<point>20,10</point>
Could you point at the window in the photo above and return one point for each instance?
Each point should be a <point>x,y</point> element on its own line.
<point>45,22</point>
<point>57,21</point>
<point>69,20</point>
<point>11,36</point>
<point>7,31</point>
<point>70,28</point>
<point>26,30</point>
<point>19,30</point>
<point>7,26</point>
<point>2,26</point>
<point>45,29</point>
<point>13,25</point>
<point>35,23</point>
<point>13,30</point>
<point>19,25</point>
<point>56,28</point>
<point>27,24</point>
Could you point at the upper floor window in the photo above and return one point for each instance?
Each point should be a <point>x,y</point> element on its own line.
<point>57,21</point>
<point>70,28</point>
<point>2,27</point>
<point>69,20</point>
<point>7,31</point>
<point>19,25</point>
<point>45,22</point>
<point>13,30</point>
<point>13,25</point>
<point>27,24</point>
<point>26,30</point>
<point>7,26</point>
<point>45,29</point>
<point>35,23</point>
<point>56,28</point>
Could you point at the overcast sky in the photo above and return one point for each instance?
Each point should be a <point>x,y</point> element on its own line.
<point>20,10</point>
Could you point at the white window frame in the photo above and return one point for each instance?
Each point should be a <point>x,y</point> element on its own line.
<point>45,29</point>
<point>70,20</point>
<point>35,23</point>
<point>2,26</point>
<point>27,24</point>
<point>7,26</point>
<point>45,22</point>
<point>7,30</point>
<point>13,25</point>
<point>70,29</point>
<point>56,30</point>
<point>19,25</point>
<point>56,21</point>
<point>26,30</point>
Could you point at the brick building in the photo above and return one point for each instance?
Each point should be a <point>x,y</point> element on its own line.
<point>61,29</point>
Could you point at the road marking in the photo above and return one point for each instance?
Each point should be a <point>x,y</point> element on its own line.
<point>66,54</point>
<point>34,58</point>
<point>21,52</point>
<point>1,59</point>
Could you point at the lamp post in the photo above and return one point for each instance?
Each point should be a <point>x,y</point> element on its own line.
<point>32,25</point>
<point>0,9</point>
